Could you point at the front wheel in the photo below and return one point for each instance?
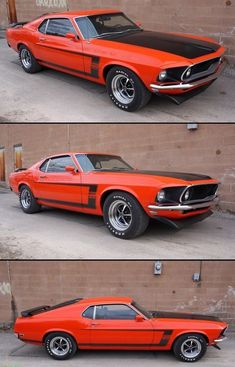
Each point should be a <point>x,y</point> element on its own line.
<point>28,202</point>
<point>190,347</point>
<point>60,346</point>
<point>124,216</point>
<point>126,90</point>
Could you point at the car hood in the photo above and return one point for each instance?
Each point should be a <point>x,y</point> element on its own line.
<point>182,316</point>
<point>186,47</point>
<point>189,177</point>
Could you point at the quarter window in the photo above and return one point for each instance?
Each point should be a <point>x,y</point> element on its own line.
<point>43,26</point>
<point>114,312</point>
<point>88,314</point>
<point>60,27</point>
<point>58,164</point>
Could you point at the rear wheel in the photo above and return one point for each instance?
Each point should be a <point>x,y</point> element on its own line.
<point>190,347</point>
<point>28,202</point>
<point>124,216</point>
<point>28,61</point>
<point>60,346</point>
<point>126,90</point>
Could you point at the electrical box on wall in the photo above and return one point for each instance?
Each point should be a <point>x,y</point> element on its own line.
<point>158,268</point>
<point>196,277</point>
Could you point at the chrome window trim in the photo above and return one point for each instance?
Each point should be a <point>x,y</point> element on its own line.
<point>56,157</point>
<point>48,21</point>
<point>116,304</point>
<point>86,310</point>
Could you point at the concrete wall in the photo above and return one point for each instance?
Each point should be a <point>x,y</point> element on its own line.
<point>209,150</point>
<point>207,17</point>
<point>38,282</point>
<point>3,14</point>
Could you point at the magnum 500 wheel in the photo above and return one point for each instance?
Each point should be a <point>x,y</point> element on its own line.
<point>126,90</point>
<point>60,346</point>
<point>124,216</point>
<point>190,347</point>
<point>28,202</point>
<point>28,61</point>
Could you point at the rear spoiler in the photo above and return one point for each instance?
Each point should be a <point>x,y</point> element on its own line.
<point>42,309</point>
<point>17,24</point>
<point>20,169</point>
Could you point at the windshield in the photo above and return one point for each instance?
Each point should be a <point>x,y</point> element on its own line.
<point>142,310</point>
<point>98,26</point>
<point>99,162</point>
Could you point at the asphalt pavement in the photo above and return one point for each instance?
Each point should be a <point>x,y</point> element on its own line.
<point>51,96</point>
<point>60,234</point>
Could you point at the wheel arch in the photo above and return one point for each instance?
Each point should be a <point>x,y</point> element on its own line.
<point>24,184</point>
<point>189,332</point>
<point>59,331</point>
<point>117,64</point>
<point>110,190</point>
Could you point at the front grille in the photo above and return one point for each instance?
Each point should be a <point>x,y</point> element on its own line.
<point>200,193</point>
<point>203,69</point>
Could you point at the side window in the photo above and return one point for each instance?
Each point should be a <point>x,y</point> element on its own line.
<point>43,26</point>
<point>88,314</point>
<point>59,164</point>
<point>43,167</point>
<point>59,27</point>
<point>115,312</point>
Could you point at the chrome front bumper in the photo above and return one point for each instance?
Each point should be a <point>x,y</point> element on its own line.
<point>221,339</point>
<point>180,207</point>
<point>158,87</point>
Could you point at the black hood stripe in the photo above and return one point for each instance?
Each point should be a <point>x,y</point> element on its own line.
<point>184,316</point>
<point>189,48</point>
<point>177,175</point>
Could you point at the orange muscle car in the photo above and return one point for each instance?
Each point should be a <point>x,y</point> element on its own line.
<point>117,323</point>
<point>105,185</point>
<point>106,47</point>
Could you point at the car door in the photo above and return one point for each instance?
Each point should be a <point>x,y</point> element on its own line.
<point>115,325</point>
<point>55,185</point>
<point>54,48</point>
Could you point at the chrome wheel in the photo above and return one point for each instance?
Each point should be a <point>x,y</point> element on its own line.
<point>191,348</point>
<point>25,198</point>
<point>123,89</point>
<point>59,346</point>
<point>120,215</point>
<point>26,58</point>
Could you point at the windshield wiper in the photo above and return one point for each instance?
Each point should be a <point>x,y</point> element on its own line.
<point>117,32</point>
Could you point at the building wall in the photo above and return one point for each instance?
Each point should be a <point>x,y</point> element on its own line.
<point>38,282</point>
<point>3,14</point>
<point>207,17</point>
<point>209,150</point>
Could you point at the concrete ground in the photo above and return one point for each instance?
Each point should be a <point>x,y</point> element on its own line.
<point>14,353</point>
<point>59,234</point>
<point>51,96</point>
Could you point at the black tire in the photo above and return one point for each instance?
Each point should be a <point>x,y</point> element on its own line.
<point>179,346</point>
<point>68,343</point>
<point>136,218</point>
<point>32,66</point>
<point>28,202</point>
<point>141,94</point>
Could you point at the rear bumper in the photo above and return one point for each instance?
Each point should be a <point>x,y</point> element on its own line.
<point>158,88</point>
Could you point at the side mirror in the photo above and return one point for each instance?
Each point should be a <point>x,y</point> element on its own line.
<point>71,36</point>
<point>70,169</point>
<point>139,318</point>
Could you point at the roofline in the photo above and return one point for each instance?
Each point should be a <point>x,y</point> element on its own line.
<point>106,300</point>
<point>82,153</point>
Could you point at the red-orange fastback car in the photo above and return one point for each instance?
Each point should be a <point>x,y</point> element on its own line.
<point>106,185</point>
<point>106,47</point>
<point>117,323</point>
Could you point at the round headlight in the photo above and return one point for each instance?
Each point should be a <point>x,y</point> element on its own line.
<point>162,76</point>
<point>187,195</point>
<point>188,73</point>
<point>161,196</point>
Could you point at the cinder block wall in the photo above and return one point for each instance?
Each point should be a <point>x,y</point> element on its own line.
<point>207,17</point>
<point>38,282</point>
<point>209,150</point>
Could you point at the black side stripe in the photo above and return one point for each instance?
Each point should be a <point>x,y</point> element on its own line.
<point>95,60</point>
<point>91,196</point>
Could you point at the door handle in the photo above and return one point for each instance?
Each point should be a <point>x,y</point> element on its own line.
<point>42,39</point>
<point>94,324</point>
<point>43,177</point>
